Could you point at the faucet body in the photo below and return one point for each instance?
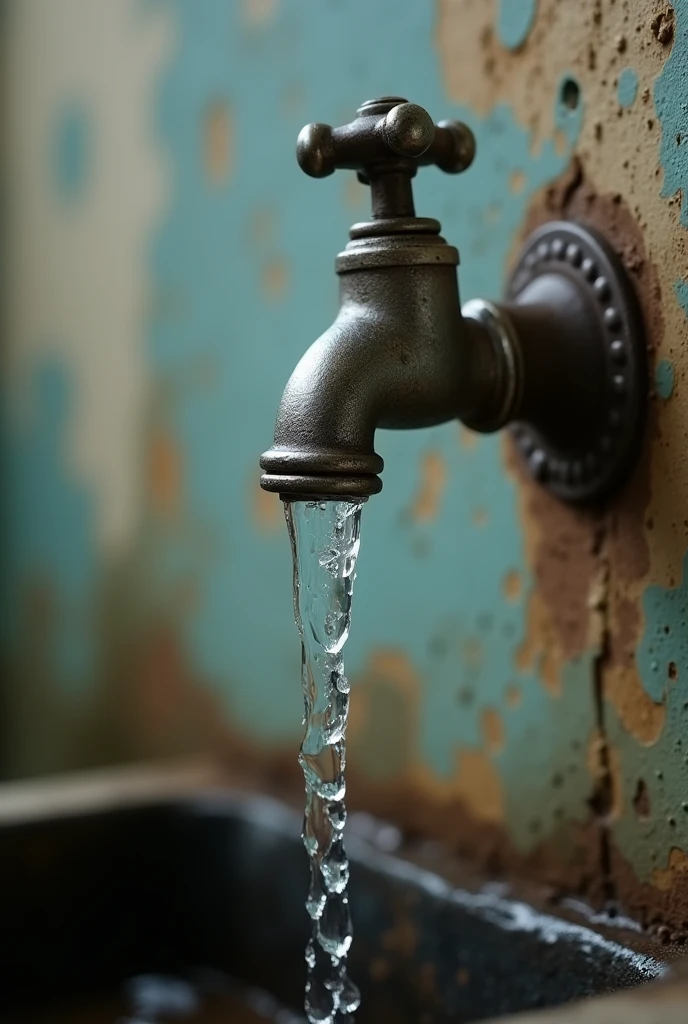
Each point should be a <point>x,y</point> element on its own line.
<point>562,360</point>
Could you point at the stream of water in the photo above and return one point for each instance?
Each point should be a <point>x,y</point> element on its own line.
<point>325,538</point>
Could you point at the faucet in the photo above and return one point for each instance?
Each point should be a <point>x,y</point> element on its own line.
<point>562,362</point>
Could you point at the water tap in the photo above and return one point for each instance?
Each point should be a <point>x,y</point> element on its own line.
<point>561,362</point>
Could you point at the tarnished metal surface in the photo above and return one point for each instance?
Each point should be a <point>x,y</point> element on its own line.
<point>520,672</point>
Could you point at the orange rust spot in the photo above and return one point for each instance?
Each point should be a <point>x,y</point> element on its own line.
<point>560,142</point>
<point>517,182</point>
<point>513,696</point>
<point>493,730</point>
<point>468,438</point>
<point>396,667</point>
<point>383,718</point>
<point>640,716</point>
<point>218,142</point>
<point>275,279</point>
<point>402,938</point>
<point>267,513</point>
<point>258,13</point>
<point>433,472</point>
<point>479,785</point>
<point>480,516</point>
<point>665,879</point>
<point>511,585</point>
<point>164,473</point>
<point>355,194</point>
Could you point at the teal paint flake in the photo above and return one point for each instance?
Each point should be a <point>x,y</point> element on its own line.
<point>681,289</point>
<point>72,156</point>
<point>671,104</point>
<point>662,658</point>
<point>627,87</point>
<point>414,580</point>
<point>515,19</point>
<point>664,378</point>
<point>47,530</point>
<point>665,639</point>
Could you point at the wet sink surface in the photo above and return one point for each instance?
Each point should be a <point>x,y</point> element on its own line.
<point>209,887</point>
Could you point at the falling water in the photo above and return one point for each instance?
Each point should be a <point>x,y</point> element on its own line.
<point>325,542</point>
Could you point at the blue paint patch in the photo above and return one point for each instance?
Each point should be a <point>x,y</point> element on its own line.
<point>627,87</point>
<point>671,104</point>
<point>241,632</point>
<point>664,378</point>
<point>681,289</point>
<point>47,534</point>
<point>515,19</point>
<point>72,157</point>
<point>665,640</point>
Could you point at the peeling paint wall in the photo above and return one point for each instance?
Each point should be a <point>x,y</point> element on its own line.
<point>519,669</point>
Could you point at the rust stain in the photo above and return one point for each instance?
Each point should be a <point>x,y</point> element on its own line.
<point>493,730</point>
<point>267,511</point>
<point>468,439</point>
<point>517,182</point>
<point>402,938</point>
<point>666,879</point>
<point>640,716</point>
<point>383,719</point>
<point>218,142</point>
<point>164,473</point>
<point>478,785</point>
<point>433,480</point>
<point>512,586</point>
<point>258,13</point>
<point>275,279</point>
<point>513,696</point>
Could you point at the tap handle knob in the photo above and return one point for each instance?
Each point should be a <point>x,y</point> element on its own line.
<point>387,135</point>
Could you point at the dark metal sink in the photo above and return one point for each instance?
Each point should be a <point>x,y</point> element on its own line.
<point>216,883</point>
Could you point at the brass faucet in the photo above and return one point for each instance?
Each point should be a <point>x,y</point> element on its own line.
<point>563,360</point>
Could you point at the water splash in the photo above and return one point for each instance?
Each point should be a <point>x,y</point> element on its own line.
<point>325,538</point>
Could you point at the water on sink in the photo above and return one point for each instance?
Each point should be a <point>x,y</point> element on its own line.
<point>325,538</point>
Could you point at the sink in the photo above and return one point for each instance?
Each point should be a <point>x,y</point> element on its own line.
<point>206,892</point>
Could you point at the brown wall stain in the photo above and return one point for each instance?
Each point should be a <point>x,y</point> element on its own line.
<point>275,278</point>
<point>493,730</point>
<point>218,142</point>
<point>164,473</point>
<point>267,508</point>
<point>433,480</point>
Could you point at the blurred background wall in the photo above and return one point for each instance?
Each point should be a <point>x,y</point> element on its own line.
<point>519,669</point>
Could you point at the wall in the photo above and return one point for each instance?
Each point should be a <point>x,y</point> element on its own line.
<point>520,670</point>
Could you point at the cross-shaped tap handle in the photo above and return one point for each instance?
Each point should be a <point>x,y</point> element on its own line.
<point>385,144</point>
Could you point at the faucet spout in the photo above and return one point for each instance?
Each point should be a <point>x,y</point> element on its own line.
<point>399,355</point>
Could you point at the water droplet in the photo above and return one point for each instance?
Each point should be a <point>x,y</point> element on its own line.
<point>335,867</point>
<point>334,926</point>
